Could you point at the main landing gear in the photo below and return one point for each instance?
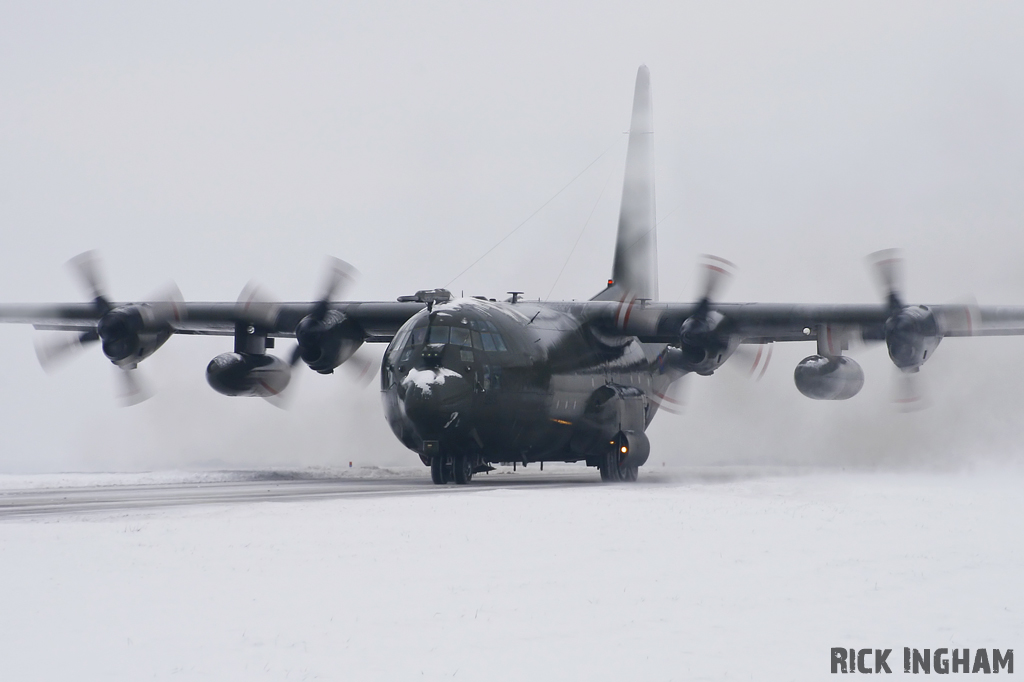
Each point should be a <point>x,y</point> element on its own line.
<point>440,470</point>
<point>455,469</point>
<point>613,471</point>
<point>612,466</point>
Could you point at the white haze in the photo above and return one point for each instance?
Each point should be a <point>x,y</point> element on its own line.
<point>214,144</point>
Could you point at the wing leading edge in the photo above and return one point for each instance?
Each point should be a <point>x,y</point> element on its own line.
<point>379,320</point>
<point>649,321</point>
<point>653,322</point>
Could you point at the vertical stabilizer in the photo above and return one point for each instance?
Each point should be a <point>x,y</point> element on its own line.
<point>635,270</point>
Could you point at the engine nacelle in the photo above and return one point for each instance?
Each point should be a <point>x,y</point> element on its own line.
<point>130,334</point>
<point>704,344</point>
<point>911,335</point>
<point>828,378</point>
<point>247,374</point>
<point>327,342</point>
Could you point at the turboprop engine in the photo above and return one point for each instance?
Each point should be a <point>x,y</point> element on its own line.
<point>911,335</point>
<point>327,340</point>
<point>828,378</point>
<point>127,333</point>
<point>705,343</point>
<point>912,332</point>
<point>327,337</point>
<point>705,338</point>
<point>131,333</point>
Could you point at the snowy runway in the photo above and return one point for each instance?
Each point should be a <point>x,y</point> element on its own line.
<point>740,578</point>
<point>79,499</point>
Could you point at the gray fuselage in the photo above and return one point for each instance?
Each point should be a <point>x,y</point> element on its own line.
<point>504,382</point>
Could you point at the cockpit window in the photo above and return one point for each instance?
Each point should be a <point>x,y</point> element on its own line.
<point>482,326</point>
<point>399,341</point>
<point>499,342</point>
<point>492,341</point>
<point>460,337</point>
<point>457,336</point>
<point>438,334</point>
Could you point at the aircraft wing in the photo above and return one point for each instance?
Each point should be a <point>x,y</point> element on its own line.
<point>775,322</point>
<point>378,320</point>
<point>651,322</point>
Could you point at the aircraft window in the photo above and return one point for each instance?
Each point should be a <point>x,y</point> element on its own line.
<point>439,334</point>
<point>394,349</point>
<point>460,337</point>
<point>418,335</point>
<point>406,355</point>
<point>492,341</point>
<point>477,343</point>
<point>482,325</point>
<point>399,341</point>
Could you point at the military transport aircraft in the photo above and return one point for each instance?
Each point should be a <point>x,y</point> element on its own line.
<point>471,381</point>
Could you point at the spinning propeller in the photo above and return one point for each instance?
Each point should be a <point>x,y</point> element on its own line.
<point>912,332</point>
<point>709,333</point>
<point>312,330</point>
<point>128,333</point>
<point>706,340</point>
<point>703,337</point>
<point>325,338</point>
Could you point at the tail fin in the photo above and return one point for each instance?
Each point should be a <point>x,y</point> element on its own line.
<point>635,270</point>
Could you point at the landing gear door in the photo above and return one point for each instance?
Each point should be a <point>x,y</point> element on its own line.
<point>632,412</point>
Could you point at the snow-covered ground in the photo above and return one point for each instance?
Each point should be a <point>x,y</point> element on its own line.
<point>734,578</point>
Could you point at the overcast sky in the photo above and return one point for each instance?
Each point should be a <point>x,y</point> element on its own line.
<point>214,144</point>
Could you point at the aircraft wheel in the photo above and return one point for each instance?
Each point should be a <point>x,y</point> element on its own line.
<point>462,469</point>
<point>609,467</point>
<point>613,472</point>
<point>439,470</point>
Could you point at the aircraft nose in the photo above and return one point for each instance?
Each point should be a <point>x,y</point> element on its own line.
<point>434,400</point>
